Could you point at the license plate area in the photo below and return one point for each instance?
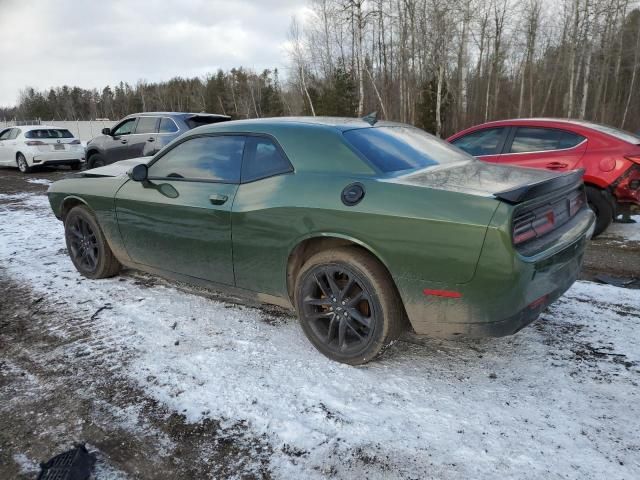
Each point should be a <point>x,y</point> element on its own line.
<point>58,146</point>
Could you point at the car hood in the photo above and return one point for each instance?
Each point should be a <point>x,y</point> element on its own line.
<point>512,184</point>
<point>115,169</point>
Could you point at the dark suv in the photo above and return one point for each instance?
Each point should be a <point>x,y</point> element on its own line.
<point>143,134</point>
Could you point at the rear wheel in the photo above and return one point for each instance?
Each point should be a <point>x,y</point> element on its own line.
<point>96,160</point>
<point>348,306</point>
<point>87,246</point>
<point>601,205</point>
<point>23,166</point>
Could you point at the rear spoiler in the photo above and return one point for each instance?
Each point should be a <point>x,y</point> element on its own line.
<point>526,192</point>
<point>214,117</point>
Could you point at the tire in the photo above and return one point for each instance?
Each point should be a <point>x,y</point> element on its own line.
<point>75,166</point>
<point>96,160</point>
<point>602,206</point>
<point>347,322</point>
<point>87,246</point>
<point>22,164</point>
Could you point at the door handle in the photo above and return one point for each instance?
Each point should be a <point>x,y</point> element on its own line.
<point>555,165</point>
<point>123,141</point>
<point>218,199</point>
<point>150,139</point>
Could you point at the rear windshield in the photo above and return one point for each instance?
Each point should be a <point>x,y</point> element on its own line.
<point>49,133</point>
<point>614,132</point>
<point>199,120</point>
<point>393,149</point>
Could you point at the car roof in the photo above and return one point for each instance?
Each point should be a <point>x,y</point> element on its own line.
<point>27,128</point>
<point>176,114</point>
<point>339,123</point>
<point>582,127</point>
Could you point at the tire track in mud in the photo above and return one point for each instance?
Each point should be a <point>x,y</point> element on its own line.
<point>61,384</point>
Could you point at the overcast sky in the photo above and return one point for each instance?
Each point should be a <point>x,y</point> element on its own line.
<point>48,43</point>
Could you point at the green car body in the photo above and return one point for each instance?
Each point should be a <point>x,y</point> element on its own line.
<point>444,233</point>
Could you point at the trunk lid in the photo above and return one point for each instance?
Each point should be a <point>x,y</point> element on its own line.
<point>506,182</point>
<point>544,204</point>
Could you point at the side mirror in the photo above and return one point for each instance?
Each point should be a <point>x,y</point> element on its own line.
<point>139,173</point>
<point>106,131</point>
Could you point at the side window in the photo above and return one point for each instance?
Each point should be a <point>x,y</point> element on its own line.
<point>14,133</point>
<point>167,125</point>
<point>5,134</point>
<point>531,139</point>
<point>569,140</point>
<point>125,128</point>
<point>147,125</point>
<point>262,159</point>
<point>202,158</point>
<point>483,142</point>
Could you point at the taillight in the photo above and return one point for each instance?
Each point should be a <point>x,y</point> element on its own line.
<point>575,204</point>
<point>534,225</point>
<point>33,143</point>
<point>75,142</point>
<point>633,158</point>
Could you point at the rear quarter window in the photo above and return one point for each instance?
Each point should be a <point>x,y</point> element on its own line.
<point>262,159</point>
<point>394,149</point>
<point>167,125</point>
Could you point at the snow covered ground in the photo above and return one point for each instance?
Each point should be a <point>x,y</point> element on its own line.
<point>558,400</point>
<point>626,231</point>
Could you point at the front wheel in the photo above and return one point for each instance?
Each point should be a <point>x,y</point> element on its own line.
<point>601,206</point>
<point>23,166</point>
<point>87,246</point>
<point>348,306</point>
<point>96,160</point>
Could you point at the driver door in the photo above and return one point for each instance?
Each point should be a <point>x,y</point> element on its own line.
<point>117,144</point>
<point>180,219</point>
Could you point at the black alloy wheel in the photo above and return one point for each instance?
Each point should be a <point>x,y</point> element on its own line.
<point>349,307</point>
<point>338,308</point>
<point>87,246</point>
<point>83,244</point>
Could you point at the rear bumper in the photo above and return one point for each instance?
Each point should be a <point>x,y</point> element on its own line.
<point>67,161</point>
<point>627,188</point>
<point>58,158</point>
<point>507,292</point>
<point>554,276</point>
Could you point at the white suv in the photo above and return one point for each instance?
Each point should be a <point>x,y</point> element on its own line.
<point>36,145</point>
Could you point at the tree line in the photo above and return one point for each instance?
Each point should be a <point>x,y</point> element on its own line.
<point>440,65</point>
<point>239,93</point>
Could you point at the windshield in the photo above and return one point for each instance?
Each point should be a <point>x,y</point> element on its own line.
<point>614,132</point>
<point>49,133</point>
<point>393,149</point>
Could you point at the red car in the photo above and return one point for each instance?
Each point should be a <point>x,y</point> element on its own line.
<point>610,157</point>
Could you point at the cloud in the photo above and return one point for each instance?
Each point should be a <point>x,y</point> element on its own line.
<point>91,44</point>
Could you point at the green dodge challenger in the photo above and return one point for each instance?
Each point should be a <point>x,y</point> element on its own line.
<point>368,229</point>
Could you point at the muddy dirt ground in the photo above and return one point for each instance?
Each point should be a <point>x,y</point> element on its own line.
<point>47,405</point>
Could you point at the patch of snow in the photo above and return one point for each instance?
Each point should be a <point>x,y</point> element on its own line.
<point>627,231</point>
<point>39,181</point>
<point>102,469</point>
<point>26,465</point>
<point>558,399</point>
